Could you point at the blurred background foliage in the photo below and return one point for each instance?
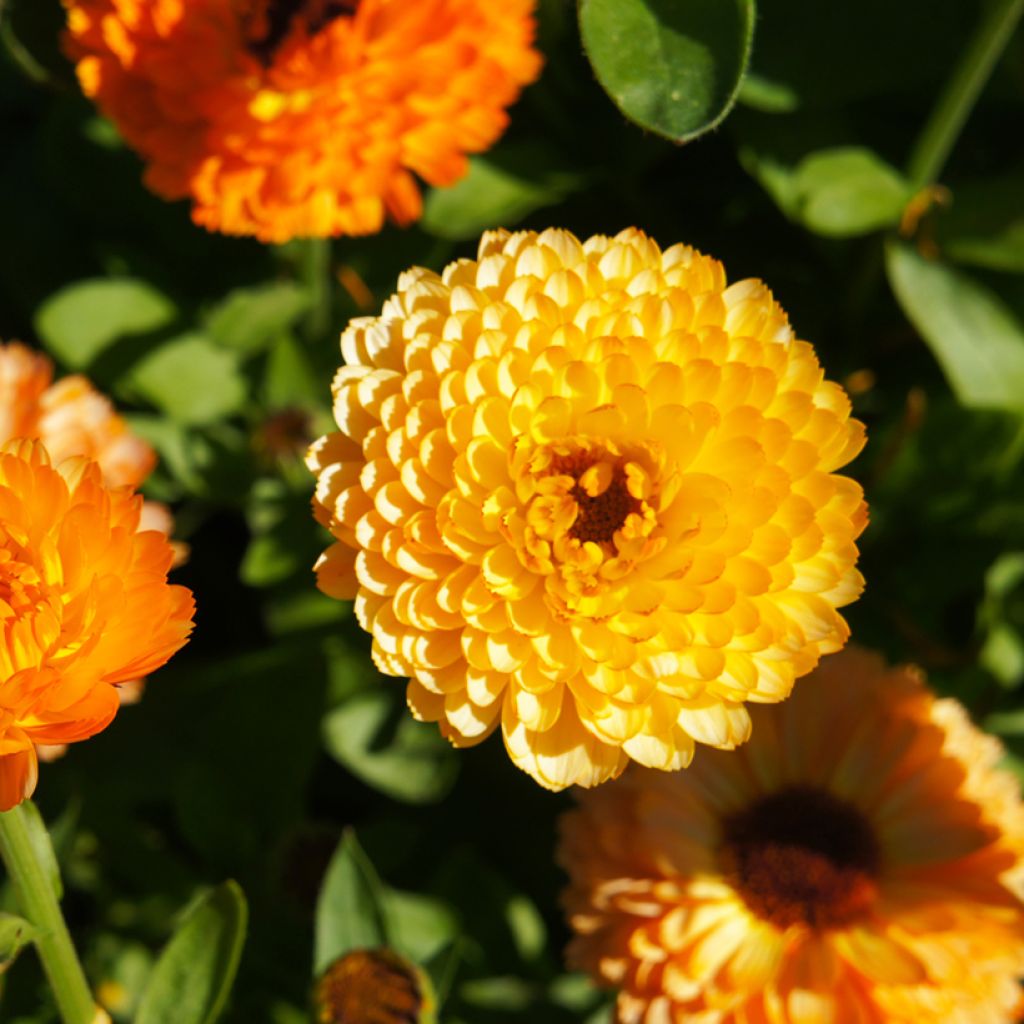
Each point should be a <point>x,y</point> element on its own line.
<point>269,752</point>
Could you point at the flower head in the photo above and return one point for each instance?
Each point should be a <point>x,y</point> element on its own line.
<point>587,490</point>
<point>84,605</point>
<point>373,986</point>
<point>859,860</point>
<point>284,118</point>
<point>70,417</point>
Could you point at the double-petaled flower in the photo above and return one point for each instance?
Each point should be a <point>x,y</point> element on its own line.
<point>588,490</point>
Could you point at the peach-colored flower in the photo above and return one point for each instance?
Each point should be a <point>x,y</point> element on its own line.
<point>859,861</point>
<point>284,118</point>
<point>84,605</point>
<point>588,490</point>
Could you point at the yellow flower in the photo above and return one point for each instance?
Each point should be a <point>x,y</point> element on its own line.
<point>589,490</point>
<point>858,862</point>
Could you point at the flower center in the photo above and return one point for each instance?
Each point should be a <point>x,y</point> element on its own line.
<point>271,22</point>
<point>370,986</point>
<point>801,856</point>
<point>601,494</point>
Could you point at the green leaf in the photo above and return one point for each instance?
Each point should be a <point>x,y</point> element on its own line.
<point>984,224</point>
<point>1002,617</point>
<point>15,934</point>
<point>249,319</point>
<point>975,337</point>
<point>42,846</point>
<point>672,66</point>
<point>848,191</point>
<point>375,738</point>
<point>499,191</point>
<point>82,320</point>
<point>192,979</point>
<point>350,910</point>
<point>191,380</point>
<point>420,926</point>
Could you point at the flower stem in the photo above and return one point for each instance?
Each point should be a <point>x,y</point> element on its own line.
<point>39,904</point>
<point>316,271</point>
<point>937,139</point>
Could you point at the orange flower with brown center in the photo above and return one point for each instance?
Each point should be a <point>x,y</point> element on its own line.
<point>285,118</point>
<point>588,490</point>
<point>859,861</point>
<point>84,605</point>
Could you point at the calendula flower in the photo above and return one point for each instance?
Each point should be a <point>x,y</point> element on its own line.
<point>588,490</point>
<point>70,417</point>
<point>284,118</point>
<point>84,605</point>
<point>858,861</point>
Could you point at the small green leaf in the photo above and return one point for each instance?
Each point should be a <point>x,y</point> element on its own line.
<point>1002,617</point>
<point>15,934</point>
<point>974,336</point>
<point>984,224</point>
<point>350,911</point>
<point>672,66</point>
<point>249,319</point>
<point>848,191</point>
<point>420,926</point>
<point>192,979</point>
<point>374,737</point>
<point>191,380</point>
<point>82,320</point>
<point>499,191</point>
<point>39,836</point>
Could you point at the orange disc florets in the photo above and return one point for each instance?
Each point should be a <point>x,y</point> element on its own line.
<point>84,605</point>
<point>588,490</point>
<point>284,118</point>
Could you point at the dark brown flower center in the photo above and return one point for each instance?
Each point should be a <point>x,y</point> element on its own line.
<point>370,986</point>
<point>801,856</point>
<point>598,515</point>
<point>273,20</point>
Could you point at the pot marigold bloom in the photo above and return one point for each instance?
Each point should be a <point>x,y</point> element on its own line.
<point>84,605</point>
<point>70,417</point>
<point>858,862</point>
<point>284,118</point>
<point>587,490</point>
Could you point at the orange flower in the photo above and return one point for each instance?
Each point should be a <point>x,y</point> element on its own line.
<point>858,862</point>
<point>284,118</point>
<point>588,490</point>
<point>84,605</point>
<point>69,417</point>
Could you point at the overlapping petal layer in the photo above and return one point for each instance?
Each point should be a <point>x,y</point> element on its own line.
<point>285,118</point>
<point>858,862</point>
<point>588,490</point>
<point>84,605</point>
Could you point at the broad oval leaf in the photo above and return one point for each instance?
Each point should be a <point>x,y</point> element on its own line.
<point>977,340</point>
<point>849,191</point>
<point>191,379</point>
<point>192,979</point>
<point>350,911</point>
<point>672,66</point>
<point>84,319</point>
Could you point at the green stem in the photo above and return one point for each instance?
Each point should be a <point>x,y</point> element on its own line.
<point>316,271</point>
<point>39,904</point>
<point>957,100</point>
